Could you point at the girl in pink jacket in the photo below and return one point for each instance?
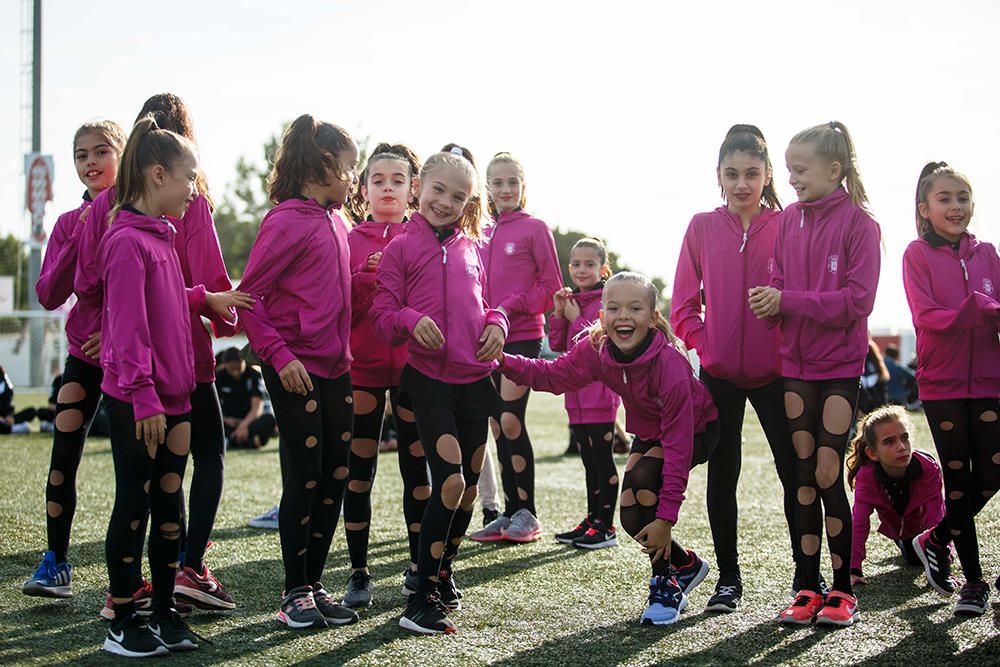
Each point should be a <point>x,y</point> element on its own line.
<point>386,196</point>
<point>634,353</point>
<point>903,486</point>
<point>592,409</point>
<point>951,281</point>
<point>430,294</point>
<point>96,150</point>
<point>300,276</point>
<point>822,289</point>
<point>522,274</point>
<point>148,363</point>
<point>725,252</point>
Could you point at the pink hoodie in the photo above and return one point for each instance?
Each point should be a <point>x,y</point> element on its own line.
<point>663,400</point>
<point>299,272</point>
<point>55,281</point>
<point>953,299</point>
<point>375,363</point>
<point>522,272</point>
<point>595,403</point>
<point>925,509</point>
<point>146,349</point>
<point>725,261</point>
<point>826,264</point>
<point>421,276</point>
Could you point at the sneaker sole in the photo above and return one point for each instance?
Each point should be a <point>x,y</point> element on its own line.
<point>698,578</point>
<point>927,568</point>
<point>341,621</point>
<point>266,525</point>
<point>565,540</point>
<point>360,604</point>
<point>680,609</point>
<point>722,607</point>
<point>201,599</point>
<point>409,625</point>
<point>179,647</point>
<point>486,538</point>
<point>296,625</point>
<point>597,545</point>
<point>969,610</point>
<point>791,620</point>
<point>114,647</point>
<point>37,590</point>
<point>533,537</point>
<point>823,620</point>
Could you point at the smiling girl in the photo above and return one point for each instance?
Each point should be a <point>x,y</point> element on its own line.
<point>951,280</point>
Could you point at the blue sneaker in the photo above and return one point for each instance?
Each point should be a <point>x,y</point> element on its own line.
<point>51,579</point>
<point>691,574</point>
<point>268,520</point>
<point>666,602</point>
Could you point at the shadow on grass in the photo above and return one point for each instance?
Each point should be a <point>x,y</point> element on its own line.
<point>930,642</point>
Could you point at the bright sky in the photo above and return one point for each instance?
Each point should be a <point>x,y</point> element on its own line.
<point>616,111</point>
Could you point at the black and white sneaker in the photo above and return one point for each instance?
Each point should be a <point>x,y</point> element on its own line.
<point>598,536</point>
<point>426,615</point>
<point>335,614</point>
<point>132,638</point>
<point>360,592</point>
<point>411,580</point>
<point>448,591</point>
<point>570,535</point>
<point>172,631</point>
<point>936,561</point>
<point>824,588</point>
<point>298,609</point>
<point>727,597</point>
<point>973,599</point>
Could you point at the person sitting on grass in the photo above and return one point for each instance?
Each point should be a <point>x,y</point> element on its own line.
<point>242,398</point>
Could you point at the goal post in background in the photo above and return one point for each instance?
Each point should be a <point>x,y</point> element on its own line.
<point>17,353</point>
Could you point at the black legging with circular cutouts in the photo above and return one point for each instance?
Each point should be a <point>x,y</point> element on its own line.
<point>596,444</point>
<point>369,411</point>
<point>314,446</point>
<point>514,452</point>
<point>966,434</point>
<point>820,414</point>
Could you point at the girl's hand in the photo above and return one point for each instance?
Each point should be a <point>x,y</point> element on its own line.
<point>765,301</point>
<point>152,430</point>
<point>858,579</point>
<point>92,348</point>
<point>427,334</point>
<point>221,302</point>
<point>492,340</point>
<point>559,301</point>
<point>373,260</point>
<point>572,310</point>
<point>295,379</point>
<point>655,537</point>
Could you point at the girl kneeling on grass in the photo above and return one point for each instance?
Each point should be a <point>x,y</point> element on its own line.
<point>634,353</point>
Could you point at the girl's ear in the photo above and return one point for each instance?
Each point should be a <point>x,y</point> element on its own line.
<point>158,174</point>
<point>718,177</point>
<point>922,209</point>
<point>656,317</point>
<point>416,187</point>
<point>768,177</point>
<point>836,171</point>
<point>364,193</point>
<point>872,456</point>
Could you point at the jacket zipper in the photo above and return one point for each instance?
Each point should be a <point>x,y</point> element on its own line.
<point>808,245</point>
<point>444,303</point>
<point>746,234</point>
<point>386,232</point>
<point>965,274</point>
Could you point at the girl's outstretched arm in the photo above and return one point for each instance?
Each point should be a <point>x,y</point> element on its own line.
<point>573,370</point>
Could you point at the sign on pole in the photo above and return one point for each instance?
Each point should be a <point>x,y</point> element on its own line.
<point>38,169</point>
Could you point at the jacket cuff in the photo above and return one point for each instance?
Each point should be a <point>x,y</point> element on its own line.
<point>145,402</point>
<point>281,358</point>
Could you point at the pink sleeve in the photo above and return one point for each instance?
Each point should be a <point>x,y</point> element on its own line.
<point>270,256</point>
<point>861,522</point>
<point>124,280</point>
<point>855,300</point>
<point>574,370</point>
<point>195,298</point>
<point>676,439</point>
<point>362,294</point>
<point>392,321</point>
<point>538,299</point>
<point>686,306</point>
<point>976,309</point>
<point>558,333</point>
<point>87,278</point>
<point>206,264</point>
<point>55,281</point>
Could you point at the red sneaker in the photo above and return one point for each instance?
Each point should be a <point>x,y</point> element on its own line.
<point>202,590</point>
<point>143,602</point>
<point>839,609</point>
<point>803,610</point>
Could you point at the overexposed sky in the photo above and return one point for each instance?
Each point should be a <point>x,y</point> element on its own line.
<point>616,110</point>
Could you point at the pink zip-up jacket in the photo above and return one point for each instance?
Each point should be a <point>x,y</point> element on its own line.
<point>146,348</point>
<point>522,272</point>
<point>420,276</point>
<point>953,300</point>
<point>299,273</point>
<point>595,403</point>
<point>726,261</point>
<point>376,364</point>
<point>55,281</point>
<point>663,400</point>
<point>826,264</point>
<point>924,510</point>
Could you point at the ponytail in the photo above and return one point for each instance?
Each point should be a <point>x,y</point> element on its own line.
<point>506,158</point>
<point>833,142</point>
<point>928,175</point>
<point>147,146</point>
<point>308,153</point>
<point>865,437</point>
<point>750,140</point>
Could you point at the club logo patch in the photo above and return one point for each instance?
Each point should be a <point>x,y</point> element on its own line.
<point>987,286</point>
<point>472,268</point>
<point>831,263</point>
<point>508,248</point>
<point>770,264</point>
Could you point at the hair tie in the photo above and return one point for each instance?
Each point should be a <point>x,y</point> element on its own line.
<point>833,125</point>
<point>457,151</point>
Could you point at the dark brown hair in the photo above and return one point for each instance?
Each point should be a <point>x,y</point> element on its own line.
<point>602,254</point>
<point>172,114</point>
<point>750,140</point>
<point>833,142</point>
<point>356,205</point>
<point>308,152</point>
<point>928,175</point>
<point>865,436</point>
<point>147,146</point>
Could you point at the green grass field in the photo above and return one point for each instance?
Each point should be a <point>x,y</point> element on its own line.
<point>543,603</point>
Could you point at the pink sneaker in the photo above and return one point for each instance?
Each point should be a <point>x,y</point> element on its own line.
<point>202,590</point>
<point>803,610</point>
<point>839,609</point>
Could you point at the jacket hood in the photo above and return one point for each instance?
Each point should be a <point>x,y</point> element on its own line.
<point>129,219</point>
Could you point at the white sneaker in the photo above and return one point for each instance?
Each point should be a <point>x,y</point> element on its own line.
<point>268,520</point>
<point>524,527</point>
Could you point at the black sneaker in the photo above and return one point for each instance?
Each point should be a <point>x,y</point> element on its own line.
<point>973,599</point>
<point>172,631</point>
<point>426,615</point>
<point>360,592</point>
<point>489,516</point>
<point>570,535</point>
<point>411,580</point>
<point>936,561</point>
<point>727,597</point>
<point>597,537</point>
<point>133,639</point>
<point>691,574</point>
<point>298,609</point>
<point>448,592</point>
<point>335,614</point>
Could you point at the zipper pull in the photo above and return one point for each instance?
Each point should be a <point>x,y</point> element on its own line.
<point>802,219</point>
<point>386,232</point>
<point>444,254</point>
<point>964,269</point>
<point>624,376</point>
<point>744,244</point>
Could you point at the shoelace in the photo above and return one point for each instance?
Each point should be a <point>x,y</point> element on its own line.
<point>304,602</point>
<point>360,579</point>
<point>728,591</point>
<point>972,591</point>
<point>664,593</point>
